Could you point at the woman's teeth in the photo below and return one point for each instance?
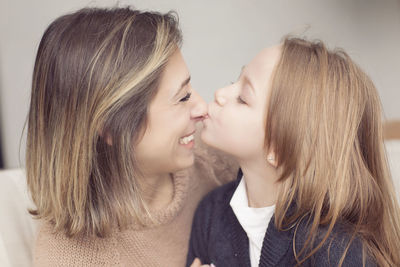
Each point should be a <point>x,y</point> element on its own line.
<point>186,140</point>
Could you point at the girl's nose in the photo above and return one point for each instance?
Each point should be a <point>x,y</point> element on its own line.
<point>220,96</point>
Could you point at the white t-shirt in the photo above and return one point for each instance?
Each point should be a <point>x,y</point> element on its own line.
<point>253,220</point>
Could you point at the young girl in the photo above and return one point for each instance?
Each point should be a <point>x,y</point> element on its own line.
<point>305,125</point>
<point>111,163</point>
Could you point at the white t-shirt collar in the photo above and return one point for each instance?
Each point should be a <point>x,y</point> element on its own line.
<point>254,221</point>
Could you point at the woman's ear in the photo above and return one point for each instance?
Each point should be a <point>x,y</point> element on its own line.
<point>106,138</point>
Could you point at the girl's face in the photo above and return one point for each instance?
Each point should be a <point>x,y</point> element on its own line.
<point>236,120</point>
<point>167,144</point>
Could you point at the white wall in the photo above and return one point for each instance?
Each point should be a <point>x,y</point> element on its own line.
<point>219,37</point>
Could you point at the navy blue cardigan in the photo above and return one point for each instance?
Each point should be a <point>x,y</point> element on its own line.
<point>217,237</point>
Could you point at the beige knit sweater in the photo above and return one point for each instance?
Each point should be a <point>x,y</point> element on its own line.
<point>163,243</point>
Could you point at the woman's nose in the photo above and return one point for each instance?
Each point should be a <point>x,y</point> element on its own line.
<point>199,109</point>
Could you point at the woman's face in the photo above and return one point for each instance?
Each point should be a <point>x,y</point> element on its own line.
<point>167,144</point>
<point>236,120</point>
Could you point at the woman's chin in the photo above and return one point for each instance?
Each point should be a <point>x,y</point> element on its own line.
<point>183,163</point>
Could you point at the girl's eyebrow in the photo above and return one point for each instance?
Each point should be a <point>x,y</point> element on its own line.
<point>247,79</point>
<point>241,71</point>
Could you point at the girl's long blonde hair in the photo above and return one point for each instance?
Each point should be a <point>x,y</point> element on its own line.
<point>324,121</point>
<point>96,72</point>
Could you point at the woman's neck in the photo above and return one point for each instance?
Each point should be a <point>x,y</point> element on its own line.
<point>261,182</point>
<point>158,190</point>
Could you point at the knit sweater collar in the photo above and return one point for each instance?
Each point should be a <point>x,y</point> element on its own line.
<point>167,214</point>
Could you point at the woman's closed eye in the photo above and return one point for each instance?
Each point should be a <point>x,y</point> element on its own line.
<point>185,98</point>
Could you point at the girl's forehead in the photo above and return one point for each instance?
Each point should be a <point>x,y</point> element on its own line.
<point>260,69</point>
<point>267,58</point>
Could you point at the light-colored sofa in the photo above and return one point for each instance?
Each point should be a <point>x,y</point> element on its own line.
<point>17,228</point>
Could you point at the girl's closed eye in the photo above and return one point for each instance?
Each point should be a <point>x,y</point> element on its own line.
<point>185,98</point>
<point>240,100</point>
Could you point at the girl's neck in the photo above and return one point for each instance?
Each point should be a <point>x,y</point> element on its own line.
<point>261,182</point>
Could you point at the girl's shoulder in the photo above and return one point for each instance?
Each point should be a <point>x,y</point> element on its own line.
<point>339,241</point>
<point>214,209</point>
<point>219,198</point>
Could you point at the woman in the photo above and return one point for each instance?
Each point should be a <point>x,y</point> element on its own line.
<point>111,142</point>
<point>304,124</point>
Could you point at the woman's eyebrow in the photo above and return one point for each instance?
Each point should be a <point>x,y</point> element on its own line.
<point>184,83</point>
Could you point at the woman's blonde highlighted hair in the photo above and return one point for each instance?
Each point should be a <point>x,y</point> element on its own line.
<point>96,72</point>
<point>324,122</point>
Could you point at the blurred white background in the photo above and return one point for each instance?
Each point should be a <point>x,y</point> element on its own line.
<point>219,37</point>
